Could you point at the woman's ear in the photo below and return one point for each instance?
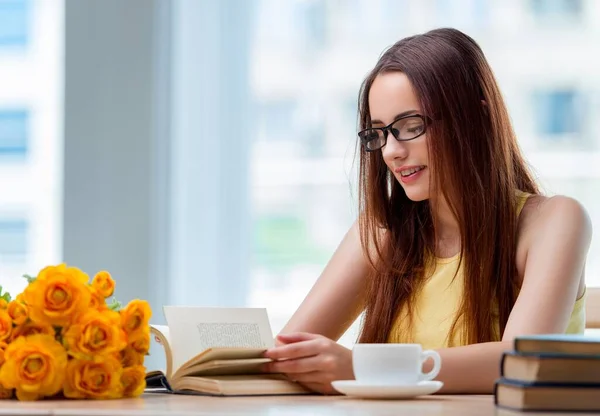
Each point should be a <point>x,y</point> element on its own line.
<point>485,107</point>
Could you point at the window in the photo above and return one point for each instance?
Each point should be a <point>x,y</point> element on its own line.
<point>14,133</point>
<point>283,240</point>
<point>312,16</point>
<point>350,114</point>
<point>558,113</point>
<point>295,231</point>
<point>13,240</point>
<point>294,23</point>
<point>468,15</point>
<point>14,22</point>
<point>556,8</point>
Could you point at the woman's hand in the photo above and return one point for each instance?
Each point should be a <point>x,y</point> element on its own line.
<point>312,360</point>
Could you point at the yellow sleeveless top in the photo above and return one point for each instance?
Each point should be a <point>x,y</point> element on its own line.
<point>438,302</point>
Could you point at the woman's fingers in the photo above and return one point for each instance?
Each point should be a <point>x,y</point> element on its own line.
<point>313,377</point>
<point>316,387</point>
<point>295,366</point>
<point>296,337</point>
<point>312,360</point>
<point>298,349</point>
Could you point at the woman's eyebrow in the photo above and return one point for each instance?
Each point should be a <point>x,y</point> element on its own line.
<point>396,117</point>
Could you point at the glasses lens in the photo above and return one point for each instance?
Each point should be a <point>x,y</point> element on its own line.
<point>372,139</point>
<point>408,128</point>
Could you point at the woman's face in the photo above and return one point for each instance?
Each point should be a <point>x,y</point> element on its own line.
<point>391,96</point>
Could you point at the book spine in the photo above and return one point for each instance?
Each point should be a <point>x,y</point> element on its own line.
<point>166,384</point>
<point>516,344</point>
<point>496,384</point>
<point>502,360</point>
<point>535,384</point>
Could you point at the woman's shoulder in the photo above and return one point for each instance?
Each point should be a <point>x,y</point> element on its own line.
<point>541,211</point>
<point>554,235</point>
<point>553,217</point>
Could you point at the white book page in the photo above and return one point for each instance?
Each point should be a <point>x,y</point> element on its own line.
<point>194,329</point>
<point>164,329</point>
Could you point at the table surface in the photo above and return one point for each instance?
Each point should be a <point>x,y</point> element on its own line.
<point>168,404</point>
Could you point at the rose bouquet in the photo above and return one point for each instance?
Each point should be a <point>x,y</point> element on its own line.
<point>60,338</point>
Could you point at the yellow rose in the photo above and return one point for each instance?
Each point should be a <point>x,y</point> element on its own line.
<point>3,303</point>
<point>104,284</point>
<point>95,334</point>
<point>3,346</point>
<point>58,295</point>
<point>32,328</point>
<point>18,312</point>
<point>6,325</point>
<point>97,300</point>
<point>135,318</point>
<point>141,342</point>
<point>6,393</point>
<point>133,381</point>
<point>34,366</point>
<point>130,357</point>
<point>93,380</point>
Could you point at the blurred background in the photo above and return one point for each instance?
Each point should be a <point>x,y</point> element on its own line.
<point>202,150</point>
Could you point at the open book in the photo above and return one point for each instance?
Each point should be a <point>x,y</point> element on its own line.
<point>217,351</point>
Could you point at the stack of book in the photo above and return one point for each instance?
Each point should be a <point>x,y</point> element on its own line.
<point>550,373</point>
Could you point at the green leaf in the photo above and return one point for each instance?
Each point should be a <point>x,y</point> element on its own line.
<point>6,296</point>
<point>115,305</point>
<point>30,279</point>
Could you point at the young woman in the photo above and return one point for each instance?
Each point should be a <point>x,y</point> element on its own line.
<point>455,248</point>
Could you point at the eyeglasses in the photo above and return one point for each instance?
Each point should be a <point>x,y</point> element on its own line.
<point>403,129</point>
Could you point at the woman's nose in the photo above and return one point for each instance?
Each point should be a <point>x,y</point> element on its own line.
<point>394,149</point>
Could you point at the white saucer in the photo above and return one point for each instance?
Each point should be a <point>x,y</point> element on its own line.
<point>386,391</point>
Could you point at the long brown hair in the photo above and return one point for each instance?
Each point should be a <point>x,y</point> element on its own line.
<point>476,166</point>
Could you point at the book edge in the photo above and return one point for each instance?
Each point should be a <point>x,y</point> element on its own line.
<point>538,384</point>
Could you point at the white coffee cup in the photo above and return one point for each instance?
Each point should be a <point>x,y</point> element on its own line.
<point>393,364</point>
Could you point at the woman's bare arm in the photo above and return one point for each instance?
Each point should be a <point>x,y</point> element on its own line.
<point>559,243</point>
<point>336,299</point>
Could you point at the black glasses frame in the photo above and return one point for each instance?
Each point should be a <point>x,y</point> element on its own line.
<point>388,129</point>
